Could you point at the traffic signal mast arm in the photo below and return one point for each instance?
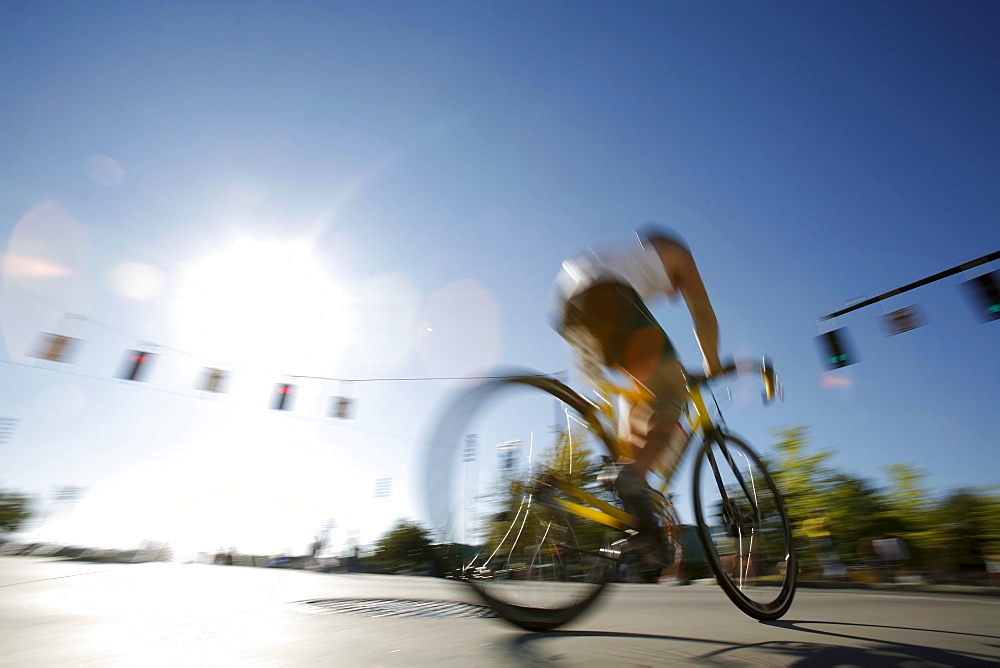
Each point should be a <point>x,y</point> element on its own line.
<point>916,284</point>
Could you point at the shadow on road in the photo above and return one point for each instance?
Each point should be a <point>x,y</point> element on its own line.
<point>883,652</point>
<point>552,648</point>
<point>796,623</point>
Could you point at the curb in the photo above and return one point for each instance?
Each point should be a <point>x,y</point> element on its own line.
<point>898,586</point>
<point>873,586</point>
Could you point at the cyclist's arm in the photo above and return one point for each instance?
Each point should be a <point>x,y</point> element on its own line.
<point>683,273</point>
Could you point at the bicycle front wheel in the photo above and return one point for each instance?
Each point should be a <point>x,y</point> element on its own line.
<point>500,459</point>
<point>743,527</point>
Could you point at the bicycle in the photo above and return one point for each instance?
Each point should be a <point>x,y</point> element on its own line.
<point>529,519</point>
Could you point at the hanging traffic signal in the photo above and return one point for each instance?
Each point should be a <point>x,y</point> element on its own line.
<point>342,408</point>
<point>902,320</point>
<point>508,454</point>
<point>283,397</point>
<point>985,293</point>
<point>471,448</point>
<point>214,380</point>
<point>56,348</point>
<point>136,364</point>
<point>834,349</point>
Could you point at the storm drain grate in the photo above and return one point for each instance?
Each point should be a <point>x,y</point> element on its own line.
<point>392,607</point>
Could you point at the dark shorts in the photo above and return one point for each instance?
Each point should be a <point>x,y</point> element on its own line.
<point>611,312</point>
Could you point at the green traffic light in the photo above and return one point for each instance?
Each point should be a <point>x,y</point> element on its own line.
<point>995,308</point>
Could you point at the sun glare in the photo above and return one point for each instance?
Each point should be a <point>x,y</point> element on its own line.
<point>264,304</point>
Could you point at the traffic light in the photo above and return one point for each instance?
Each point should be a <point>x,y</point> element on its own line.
<point>985,293</point>
<point>902,320</point>
<point>508,454</point>
<point>7,427</point>
<point>283,397</point>
<point>471,448</point>
<point>56,348</point>
<point>136,362</point>
<point>342,407</point>
<point>213,380</point>
<point>834,349</point>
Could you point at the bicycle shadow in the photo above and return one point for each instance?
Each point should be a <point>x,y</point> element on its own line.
<point>623,648</point>
<point>793,624</point>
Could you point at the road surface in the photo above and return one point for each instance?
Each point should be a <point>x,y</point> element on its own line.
<point>71,613</point>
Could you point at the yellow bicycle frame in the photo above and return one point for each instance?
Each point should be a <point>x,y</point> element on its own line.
<point>597,510</point>
<point>698,420</point>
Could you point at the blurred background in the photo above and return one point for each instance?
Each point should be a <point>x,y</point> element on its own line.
<point>249,249</point>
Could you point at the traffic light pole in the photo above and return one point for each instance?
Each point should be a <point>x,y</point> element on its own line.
<point>971,264</point>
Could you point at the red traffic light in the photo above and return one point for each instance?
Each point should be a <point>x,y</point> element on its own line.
<point>283,397</point>
<point>136,365</point>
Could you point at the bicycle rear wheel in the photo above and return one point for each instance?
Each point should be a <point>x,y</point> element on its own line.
<point>498,460</point>
<point>743,527</point>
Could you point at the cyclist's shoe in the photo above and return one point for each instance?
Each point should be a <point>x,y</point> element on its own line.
<point>641,555</point>
<point>646,506</point>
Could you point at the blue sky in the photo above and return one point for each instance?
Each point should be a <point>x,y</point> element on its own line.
<point>385,190</point>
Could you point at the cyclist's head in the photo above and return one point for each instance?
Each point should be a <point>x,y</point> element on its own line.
<point>655,234</point>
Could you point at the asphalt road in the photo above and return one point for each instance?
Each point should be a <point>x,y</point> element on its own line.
<point>71,613</point>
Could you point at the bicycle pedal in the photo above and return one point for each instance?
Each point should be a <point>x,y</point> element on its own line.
<point>613,551</point>
<point>607,476</point>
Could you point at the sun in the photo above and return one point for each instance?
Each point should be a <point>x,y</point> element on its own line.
<point>265,304</point>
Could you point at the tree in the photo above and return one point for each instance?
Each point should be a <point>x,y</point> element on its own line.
<point>406,545</point>
<point>803,479</point>
<point>856,511</point>
<point>574,459</point>
<point>948,535</point>
<point>909,509</point>
<point>14,510</point>
<point>965,527</point>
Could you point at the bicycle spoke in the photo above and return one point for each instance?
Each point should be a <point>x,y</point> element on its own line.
<point>536,562</point>
<point>743,527</point>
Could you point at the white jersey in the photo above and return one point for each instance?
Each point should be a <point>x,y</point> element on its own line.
<point>640,268</point>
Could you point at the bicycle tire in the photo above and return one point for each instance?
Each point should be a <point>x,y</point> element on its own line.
<point>751,553</point>
<point>534,565</point>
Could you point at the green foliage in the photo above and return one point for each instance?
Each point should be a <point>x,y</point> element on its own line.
<point>909,509</point>
<point>803,478</point>
<point>406,545</point>
<point>945,535</point>
<point>14,510</point>
<point>571,459</point>
<point>967,525</point>
<point>856,511</point>
<point>574,459</point>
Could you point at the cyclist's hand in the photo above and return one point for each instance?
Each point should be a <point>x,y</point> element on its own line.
<point>713,366</point>
<point>719,367</point>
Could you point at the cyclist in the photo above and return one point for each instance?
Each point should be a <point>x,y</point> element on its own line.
<point>603,314</point>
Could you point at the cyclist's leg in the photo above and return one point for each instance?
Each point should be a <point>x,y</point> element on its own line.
<point>652,427</point>
<point>647,354</point>
<point>608,324</point>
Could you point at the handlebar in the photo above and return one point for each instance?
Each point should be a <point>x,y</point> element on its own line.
<point>772,386</point>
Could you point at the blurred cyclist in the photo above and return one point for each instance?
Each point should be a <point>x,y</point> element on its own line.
<point>603,315</point>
